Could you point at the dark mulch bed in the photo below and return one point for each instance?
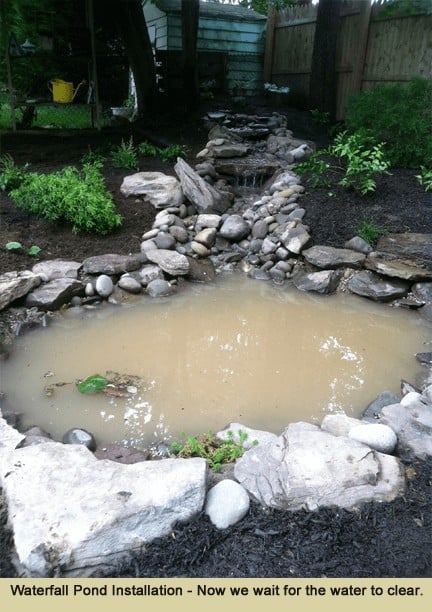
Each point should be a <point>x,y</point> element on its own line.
<point>381,540</point>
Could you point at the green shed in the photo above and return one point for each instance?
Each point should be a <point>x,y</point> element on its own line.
<point>230,45</point>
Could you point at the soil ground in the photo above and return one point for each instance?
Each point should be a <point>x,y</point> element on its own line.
<point>380,540</point>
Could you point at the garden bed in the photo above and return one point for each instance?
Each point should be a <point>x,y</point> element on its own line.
<point>391,539</point>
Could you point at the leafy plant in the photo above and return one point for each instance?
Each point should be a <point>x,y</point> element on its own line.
<point>11,175</point>
<point>425,178</point>
<point>77,197</point>
<point>92,384</point>
<point>317,169</point>
<point>93,157</point>
<point>34,250</point>
<point>363,157</point>
<point>147,149</point>
<point>400,116</point>
<point>125,156</point>
<point>370,232</point>
<point>171,152</point>
<point>215,451</point>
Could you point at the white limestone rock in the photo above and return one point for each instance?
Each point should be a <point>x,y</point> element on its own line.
<point>157,188</point>
<point>74,514</point>
<point>227,503</point>
<point>377,436</point>
<point>308,467</point>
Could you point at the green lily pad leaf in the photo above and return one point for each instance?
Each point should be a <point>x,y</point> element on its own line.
<point>92,384</point>
<point>13,246</point>
<point>34,250</point>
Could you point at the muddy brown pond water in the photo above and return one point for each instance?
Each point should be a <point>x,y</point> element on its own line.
<point>237,350</point>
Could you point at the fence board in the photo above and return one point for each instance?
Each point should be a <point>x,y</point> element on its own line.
<point>372,48</point>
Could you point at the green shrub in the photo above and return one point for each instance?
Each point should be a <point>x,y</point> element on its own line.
<point>125,156</point>
<point>171,152</point>
<point>11,175</point>
<point>147,149</point>
<point>77,197</point>
<point>399,115</point>
<point>361,157</point>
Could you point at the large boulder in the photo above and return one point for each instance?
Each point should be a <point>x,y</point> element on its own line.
<point>74,515</point>
<point>331,257</point>
<point>308,467</point>
<point>157,188</point>
<point>204,197</point>
<point>111,263</point>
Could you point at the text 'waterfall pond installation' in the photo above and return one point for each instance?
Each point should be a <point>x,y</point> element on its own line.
<point>234,351</point>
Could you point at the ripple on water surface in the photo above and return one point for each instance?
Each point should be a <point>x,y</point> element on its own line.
<point>239,350</point>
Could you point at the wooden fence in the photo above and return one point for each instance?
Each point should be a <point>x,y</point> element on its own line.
<point>372,47</point>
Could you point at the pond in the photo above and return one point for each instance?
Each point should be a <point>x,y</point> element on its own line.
<point>237,350</point>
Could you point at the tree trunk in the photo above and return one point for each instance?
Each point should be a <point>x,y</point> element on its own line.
<point>323,81</point>
<point>131,24</point>
<point>190,17</point>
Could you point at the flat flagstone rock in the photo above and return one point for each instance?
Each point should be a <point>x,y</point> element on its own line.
<point>331,257</point>
<point>14,285</point>
<point>55,293</point>
<point>370,285</point>
<point>171,262</point>
<point>159,189</point>
<point>111,264</point>
<point>57,268</point>
<point>83,514</point>
<point>417,247</point>
<point>310,468</point>
<point>393,266</point>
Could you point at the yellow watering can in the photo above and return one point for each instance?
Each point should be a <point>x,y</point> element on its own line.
<point>62,91</point>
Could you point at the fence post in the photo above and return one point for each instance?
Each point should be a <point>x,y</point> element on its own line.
<point>269,46</point>
<point>363,35</point>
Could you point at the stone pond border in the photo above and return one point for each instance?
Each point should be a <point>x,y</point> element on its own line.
<point>73,514</point>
